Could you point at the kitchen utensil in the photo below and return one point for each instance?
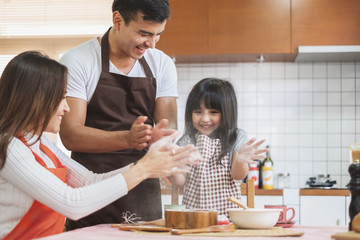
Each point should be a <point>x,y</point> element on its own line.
<point>190,218</point>
<point>253,218</point>
<point>158,222</point>
<point>238,202</point>
<point>147,228</point>
<point>214,228</point>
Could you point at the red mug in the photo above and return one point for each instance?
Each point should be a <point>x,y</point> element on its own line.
<point>283,213</point>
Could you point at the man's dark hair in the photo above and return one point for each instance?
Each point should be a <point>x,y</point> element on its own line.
<point>153,10</point>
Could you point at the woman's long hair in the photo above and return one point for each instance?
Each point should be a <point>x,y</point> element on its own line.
<point>31,89</point>
<point>215,94</point>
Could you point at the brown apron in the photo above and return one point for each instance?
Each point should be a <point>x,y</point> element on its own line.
<point>117,101</point>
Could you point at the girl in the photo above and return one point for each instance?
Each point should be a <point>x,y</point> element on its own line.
<point>39,184</point>
<point>211,124</point>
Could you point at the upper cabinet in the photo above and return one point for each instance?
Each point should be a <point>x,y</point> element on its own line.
<point>186,31</point>
<point>240,30</point>
<point>325,22</point>
<point>249,26</point>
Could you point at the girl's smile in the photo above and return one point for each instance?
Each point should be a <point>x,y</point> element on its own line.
<point>206,120</point>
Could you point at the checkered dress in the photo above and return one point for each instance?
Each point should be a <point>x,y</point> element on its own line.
<point>209,184</point>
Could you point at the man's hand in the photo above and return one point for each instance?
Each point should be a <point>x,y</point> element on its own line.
<point>139,134</point>
<point>160,131</point>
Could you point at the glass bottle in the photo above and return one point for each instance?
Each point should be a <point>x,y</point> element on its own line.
<point>267,172</point>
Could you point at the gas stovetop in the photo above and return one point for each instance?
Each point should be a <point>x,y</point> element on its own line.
<point>322,181</point>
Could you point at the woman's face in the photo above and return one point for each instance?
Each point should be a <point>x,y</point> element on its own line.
<point>55,121</point>
<point>205,120</point>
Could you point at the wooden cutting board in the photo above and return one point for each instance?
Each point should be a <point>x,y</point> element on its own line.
<point>271,232</point>
<point>351,235</point>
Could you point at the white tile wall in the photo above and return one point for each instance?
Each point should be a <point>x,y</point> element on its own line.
<point>308,112</point>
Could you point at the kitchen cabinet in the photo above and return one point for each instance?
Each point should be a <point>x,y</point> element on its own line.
<point>204,30</point>
<point>186,31</point>
<point>325,22</point>
<point>249,26</point>
<point>324,207</point>
<point>239,31</point>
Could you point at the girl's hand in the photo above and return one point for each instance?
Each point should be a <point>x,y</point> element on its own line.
<point>249,152</point>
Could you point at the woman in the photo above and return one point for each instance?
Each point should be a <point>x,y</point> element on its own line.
<point>39,184</point>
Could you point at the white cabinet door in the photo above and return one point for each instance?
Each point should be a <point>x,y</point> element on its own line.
<point>347,217</point>
<point>322,210</point>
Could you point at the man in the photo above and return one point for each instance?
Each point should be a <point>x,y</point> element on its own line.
<point>119,86</point>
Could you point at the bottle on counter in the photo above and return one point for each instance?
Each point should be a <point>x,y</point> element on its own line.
<point>260,174</point>
<point>254,174</point>
<point>267,172</point>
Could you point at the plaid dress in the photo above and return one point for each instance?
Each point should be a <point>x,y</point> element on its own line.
<point>209,184</point>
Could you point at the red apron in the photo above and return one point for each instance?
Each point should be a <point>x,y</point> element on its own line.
<point>117,101</point>
<point>40,220</point>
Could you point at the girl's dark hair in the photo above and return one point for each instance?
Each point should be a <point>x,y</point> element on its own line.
<point>153,10</point>
<point>31,89</point>
<point>215,94</point>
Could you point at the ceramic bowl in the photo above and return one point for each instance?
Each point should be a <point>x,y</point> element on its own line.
<point>254,218</point>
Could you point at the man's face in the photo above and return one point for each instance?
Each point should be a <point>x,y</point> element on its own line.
<point>139,35</point>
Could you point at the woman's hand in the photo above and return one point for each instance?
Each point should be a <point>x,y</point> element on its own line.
<point>163,162</point>
<point>163,159</point>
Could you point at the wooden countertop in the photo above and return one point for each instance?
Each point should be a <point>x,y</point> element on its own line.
<point>324,192</point>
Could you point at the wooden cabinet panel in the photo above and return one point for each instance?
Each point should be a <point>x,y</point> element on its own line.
<point>186,32</point>
<point>325,22</point>
<point>249,26</point>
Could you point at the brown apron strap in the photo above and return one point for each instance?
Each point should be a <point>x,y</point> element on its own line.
<point>105,51</point>
<point>105,56</point>
<point>146,67</point>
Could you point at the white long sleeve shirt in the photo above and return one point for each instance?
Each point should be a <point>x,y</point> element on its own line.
<point>23,180</point>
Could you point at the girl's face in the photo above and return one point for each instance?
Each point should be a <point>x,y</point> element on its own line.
<point>205,120</point>
<point>55,121</point>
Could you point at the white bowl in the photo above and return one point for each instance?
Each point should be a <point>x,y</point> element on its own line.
<point>254,218</point>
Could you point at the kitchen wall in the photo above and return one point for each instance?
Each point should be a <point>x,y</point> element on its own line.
<point>308,112</point>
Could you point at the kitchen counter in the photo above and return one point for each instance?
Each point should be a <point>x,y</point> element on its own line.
<point>105,232</point>
<point>324,192</point>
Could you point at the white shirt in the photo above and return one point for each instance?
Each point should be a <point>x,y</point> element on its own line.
<point>23,180</point>
<point>84,65</point>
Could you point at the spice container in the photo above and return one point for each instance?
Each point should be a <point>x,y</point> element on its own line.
<point>282,181</point>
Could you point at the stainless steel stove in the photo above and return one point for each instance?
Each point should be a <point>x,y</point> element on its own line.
<point>321,181</point>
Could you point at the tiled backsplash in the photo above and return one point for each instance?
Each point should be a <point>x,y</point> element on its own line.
<point>308,112</point>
